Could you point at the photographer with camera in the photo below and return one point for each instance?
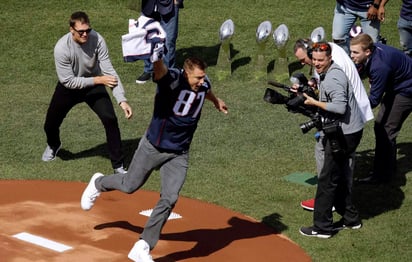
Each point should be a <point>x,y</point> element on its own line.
<point>303,53</point>
<point>340,122</point>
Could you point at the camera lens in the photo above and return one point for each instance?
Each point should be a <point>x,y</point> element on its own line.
<point>305,127</point>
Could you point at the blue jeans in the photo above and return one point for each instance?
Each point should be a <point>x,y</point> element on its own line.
<point>345,18</point>
<point>405,35</point>
<point>170,24</point>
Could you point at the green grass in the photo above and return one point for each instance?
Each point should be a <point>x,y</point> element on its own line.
<point>237,161</point>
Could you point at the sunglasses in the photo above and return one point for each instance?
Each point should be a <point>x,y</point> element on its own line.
<point>81,32</point>
<point>321,47</point>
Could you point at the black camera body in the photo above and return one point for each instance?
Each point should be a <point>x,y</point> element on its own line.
<point>332,130</point>
<point>295,104</point>
<point>295,101</point>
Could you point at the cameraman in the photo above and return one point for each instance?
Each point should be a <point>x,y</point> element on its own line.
<point>339,110</point>
<point>303,53</point>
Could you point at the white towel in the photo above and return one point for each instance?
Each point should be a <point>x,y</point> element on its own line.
<point>143,34</point>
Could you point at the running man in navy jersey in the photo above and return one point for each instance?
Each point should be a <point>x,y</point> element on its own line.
<point>165,146</point>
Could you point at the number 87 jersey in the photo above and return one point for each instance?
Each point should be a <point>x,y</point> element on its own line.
<point>177,110</point>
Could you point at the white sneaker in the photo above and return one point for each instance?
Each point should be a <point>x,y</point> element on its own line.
<point>90,194</point>
<point>120,170</point>
<point>49,153</point>
<point>140,252</point>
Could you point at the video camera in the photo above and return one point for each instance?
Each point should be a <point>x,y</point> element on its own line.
<point>295,101</point>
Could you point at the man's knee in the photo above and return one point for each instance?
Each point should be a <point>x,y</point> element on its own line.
<point>169,201</point>
<point>108,119</point>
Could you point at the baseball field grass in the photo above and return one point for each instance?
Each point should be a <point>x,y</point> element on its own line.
<point>238,160</point>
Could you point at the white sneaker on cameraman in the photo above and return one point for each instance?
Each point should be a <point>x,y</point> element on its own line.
<point>90,194</point>
<point>140,252</point>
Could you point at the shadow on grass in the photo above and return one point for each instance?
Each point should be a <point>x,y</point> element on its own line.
<point>373,200</point>
<point>210,55</point>
<point>208,241</point>
<point>129,146</point>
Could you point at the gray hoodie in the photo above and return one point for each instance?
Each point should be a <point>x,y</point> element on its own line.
<point>76,64</point>
<point>335,89</point>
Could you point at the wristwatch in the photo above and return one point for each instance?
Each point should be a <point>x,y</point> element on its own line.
<point>375,5</point>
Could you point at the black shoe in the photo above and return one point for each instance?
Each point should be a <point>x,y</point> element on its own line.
<point>310,232</point>
<point>143,78</point>
<point>339,225</point>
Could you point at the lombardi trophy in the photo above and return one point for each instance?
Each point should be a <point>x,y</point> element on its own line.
<point>262,34</point>
<point>224,66</point>
<point>281,37</point>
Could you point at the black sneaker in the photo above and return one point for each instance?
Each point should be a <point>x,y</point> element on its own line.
<point>310,232</point>
<point>143,78</point>
<point>340,225</point>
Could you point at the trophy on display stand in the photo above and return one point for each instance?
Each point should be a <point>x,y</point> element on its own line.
<point>281,37</point>
<point>262,35</point>
<point>224,65</point>
<point>317,35</point>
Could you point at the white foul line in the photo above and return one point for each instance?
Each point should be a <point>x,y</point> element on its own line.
<point>41,241</point>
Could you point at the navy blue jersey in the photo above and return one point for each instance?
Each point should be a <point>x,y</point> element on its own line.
<point>177,110</point>
<point>356,5</point>
<point>406,10</point>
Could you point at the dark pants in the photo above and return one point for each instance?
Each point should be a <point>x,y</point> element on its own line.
<point>98,100</point>
<point>393,112</point>
<point>334,188</point>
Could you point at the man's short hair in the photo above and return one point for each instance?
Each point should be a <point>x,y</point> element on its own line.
<point>303,43</point>
<point>364,40</point>
<point>322,47</point>
<point>79,16</point>
<point>194,62</point>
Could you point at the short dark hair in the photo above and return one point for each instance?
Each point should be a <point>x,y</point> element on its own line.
<point>303,43</point>
<point>194,62</point>
<point>80,16</point>
<point>322,47</point>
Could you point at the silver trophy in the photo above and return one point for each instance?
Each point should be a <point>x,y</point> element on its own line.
<point>263,32</point>
<point>281,38</point>
<point>227,29</point>
<point>317,35</point>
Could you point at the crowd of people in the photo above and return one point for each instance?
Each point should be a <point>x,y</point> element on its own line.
<point>84,71</point>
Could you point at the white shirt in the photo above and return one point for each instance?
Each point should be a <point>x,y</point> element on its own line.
<point>341,58</point>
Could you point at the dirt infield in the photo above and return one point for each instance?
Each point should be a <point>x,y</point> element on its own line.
<point>205,232</point>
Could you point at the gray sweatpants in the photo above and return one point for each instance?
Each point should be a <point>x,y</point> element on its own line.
<point>173,170</point>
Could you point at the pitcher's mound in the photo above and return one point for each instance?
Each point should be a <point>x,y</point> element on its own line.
<point>43,221</point>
